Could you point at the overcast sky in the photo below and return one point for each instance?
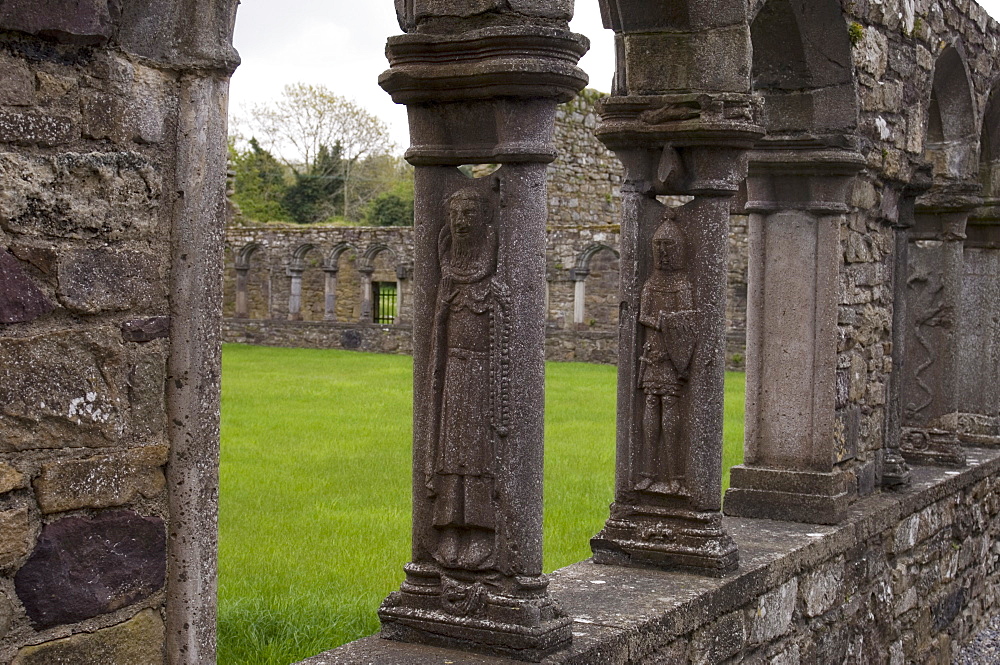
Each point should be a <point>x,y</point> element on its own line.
<point>341,44</point>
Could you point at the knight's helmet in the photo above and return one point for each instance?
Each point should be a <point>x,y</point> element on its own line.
<point>669,244</point>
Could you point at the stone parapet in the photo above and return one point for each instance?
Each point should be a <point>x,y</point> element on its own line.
<point>906,577</point>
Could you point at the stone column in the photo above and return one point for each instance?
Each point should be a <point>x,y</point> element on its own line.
<point>330,293</point>
<point>483,90</point>
<point>797,200</point>
<point>579,277</point>
<point>979,339</point>
<point>366,272</point>
<point>895,471</point>
<point>929,389</point>
<point>403,278</point>
<point>242,301</point>
<point>681,120</point>
<point>295,292</point>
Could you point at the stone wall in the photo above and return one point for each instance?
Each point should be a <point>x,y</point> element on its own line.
<point>112,142</point>
<point>907,578</point>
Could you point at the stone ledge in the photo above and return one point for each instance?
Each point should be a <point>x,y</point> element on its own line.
<point>626,615</point>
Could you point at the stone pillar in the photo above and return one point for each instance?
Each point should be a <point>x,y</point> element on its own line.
<point>330,294</point>
<point>895,472</point>
<point>403,278</point>
<point>242,300</point>
<point>295,292</point>
<point>797,200</point>
<point>681,119</point>
<point>483,90</point>
<point>979,339</point>
<point>366,272</point>
<point>579,277</point>
<point>929,388</point>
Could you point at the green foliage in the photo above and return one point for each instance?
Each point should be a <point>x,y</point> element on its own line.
<point>314,516</point>
<point>856,32</point>
<point>260,183</point>
<point>318,190</point>
<point>390,209</point>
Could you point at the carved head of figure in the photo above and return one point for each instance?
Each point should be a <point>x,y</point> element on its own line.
<point>669,248</point>
<point>467,210</point>
<point>472,238</point>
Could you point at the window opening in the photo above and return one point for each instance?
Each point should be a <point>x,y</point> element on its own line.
<point>384,299</point>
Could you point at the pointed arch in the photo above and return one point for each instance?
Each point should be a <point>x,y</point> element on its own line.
<point>806,76</point>
<point>950,126</point>
<point>246,253</point>
<point>989,146</point>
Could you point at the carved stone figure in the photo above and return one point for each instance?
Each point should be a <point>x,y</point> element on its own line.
<point>667,315</point>
<point>471,332</point>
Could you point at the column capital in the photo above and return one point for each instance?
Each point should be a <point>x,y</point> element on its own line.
<point>486,95</point>
<point>943,211</point>
<point>809,179</point>
<point>689,143</point>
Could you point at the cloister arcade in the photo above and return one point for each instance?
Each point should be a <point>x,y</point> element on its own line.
<point>859,141</point>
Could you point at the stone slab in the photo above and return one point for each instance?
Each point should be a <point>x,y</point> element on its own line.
<point>109,280</point>
<point>88,22</point>
<point>15,525</point>
<point>84,407</point>
<point>138,641</point>
<point>11,478</point>
<point>111,195</point>
<point>102,481</point>
<point>21,300</point>
<point>82,567</point>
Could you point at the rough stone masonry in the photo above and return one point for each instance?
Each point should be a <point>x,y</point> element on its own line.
<point>861,526</point>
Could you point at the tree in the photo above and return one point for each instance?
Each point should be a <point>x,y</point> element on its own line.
<point>259,182</point>
<point>318,192</point>
<point>306,118</point>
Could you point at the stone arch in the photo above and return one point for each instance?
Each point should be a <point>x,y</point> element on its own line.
<point>596,306</point>
<point>807,76</point>
<point>950,126</point>
<point>253,288</point>
<point>342,286</point>
<point>306,301</point>
<point>381,273</point>
<point>989,146</point>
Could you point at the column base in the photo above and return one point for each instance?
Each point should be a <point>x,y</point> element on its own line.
<point>792,496</point>
<point>895,470</point>
<point>473,612</point>
<point>667,539</point>
<point>931,446</point>
<point>979,430</point>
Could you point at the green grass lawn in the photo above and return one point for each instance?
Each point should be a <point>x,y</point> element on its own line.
<point>314,518</point>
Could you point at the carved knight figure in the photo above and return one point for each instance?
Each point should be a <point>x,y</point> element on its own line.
<point>668,319</point>
<point>471,333</point>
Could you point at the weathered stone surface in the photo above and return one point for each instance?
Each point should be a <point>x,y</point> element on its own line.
<point>721,639</point>
<point>821,589</point>
<point>15,525</point>
<point>11,478</point>
<point>19,84</point>
<point>69,21</point>
<point>112,195</point>
<point>773,616</point>
<point>82,408</point>
<point>138,641</point>
<point>101,481</point>
<point>146,330</point>
<point>83,566</point>
<point>102,280</point>
<point>34,128</point>
<point>6,615</point>
<point>20,300</point>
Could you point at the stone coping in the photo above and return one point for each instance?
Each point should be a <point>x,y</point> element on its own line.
<point>620,613</point>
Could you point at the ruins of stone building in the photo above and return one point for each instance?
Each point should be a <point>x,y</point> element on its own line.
<point>863,525</point>
<point>327,267</point>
